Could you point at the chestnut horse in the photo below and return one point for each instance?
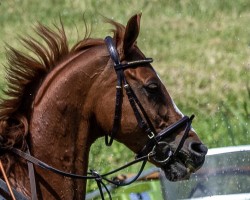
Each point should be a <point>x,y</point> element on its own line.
<point>59,101</point>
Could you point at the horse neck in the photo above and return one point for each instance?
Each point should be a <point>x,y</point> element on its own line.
<point>60,124</point>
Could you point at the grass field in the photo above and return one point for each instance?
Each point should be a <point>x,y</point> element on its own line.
<point>201,50</point>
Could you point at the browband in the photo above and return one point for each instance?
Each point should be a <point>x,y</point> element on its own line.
<point>115,57</point>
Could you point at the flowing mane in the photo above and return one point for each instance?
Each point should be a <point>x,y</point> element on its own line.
<point>26,71</point>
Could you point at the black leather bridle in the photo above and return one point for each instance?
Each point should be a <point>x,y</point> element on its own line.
<point>119,67</point>
<point>156,149</point>
<point>154,139</point>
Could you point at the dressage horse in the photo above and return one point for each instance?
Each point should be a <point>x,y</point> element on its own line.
<point>59,100</point>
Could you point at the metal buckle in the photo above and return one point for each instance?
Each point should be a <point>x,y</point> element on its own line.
<point>126,86</point>
<point>151,135</point>
<point>164,157</point>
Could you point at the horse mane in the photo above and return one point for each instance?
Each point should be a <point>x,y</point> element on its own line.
<point>26,71</point>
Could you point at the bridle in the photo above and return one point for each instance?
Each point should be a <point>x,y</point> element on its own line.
<point>119,67</point>
<point>154,139</point>
<point>153,149</point>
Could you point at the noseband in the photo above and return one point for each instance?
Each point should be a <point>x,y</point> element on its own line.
<point>155,149</point>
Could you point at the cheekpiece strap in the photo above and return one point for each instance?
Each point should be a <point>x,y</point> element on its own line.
<point>112,50</point>
<point>119,68</point>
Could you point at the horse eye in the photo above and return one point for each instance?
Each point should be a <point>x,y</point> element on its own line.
<point>152,88</point>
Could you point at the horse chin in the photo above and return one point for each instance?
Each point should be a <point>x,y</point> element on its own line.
<point>181,168</point>
<point>177,171</point>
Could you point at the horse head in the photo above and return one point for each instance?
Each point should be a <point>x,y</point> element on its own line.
<point>156,108</point>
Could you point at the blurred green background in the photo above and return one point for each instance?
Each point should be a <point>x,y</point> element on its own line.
<point>201,50</point>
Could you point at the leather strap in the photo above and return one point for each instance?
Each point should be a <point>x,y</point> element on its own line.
<point>183,122</point>
<point>32,178</point>
<point>5,192</point>
<point>134,102</point>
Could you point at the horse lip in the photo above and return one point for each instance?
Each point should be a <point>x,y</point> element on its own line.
<point>185,163</point>
<point>190,168</point>
<point>176,171</point>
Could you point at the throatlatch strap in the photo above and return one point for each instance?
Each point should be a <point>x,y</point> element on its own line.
<point>118,102</point>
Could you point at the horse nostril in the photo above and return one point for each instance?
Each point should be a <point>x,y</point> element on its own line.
<point>198,148</point>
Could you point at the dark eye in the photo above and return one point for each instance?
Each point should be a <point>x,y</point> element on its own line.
<point>152,88</point>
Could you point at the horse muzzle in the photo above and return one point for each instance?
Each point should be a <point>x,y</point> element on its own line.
<point>180,165</point>
<point>177,162</point>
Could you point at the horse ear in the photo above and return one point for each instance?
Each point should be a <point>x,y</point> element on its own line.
<point>131,32</point>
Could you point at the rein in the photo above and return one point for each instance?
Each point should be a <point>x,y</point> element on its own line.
<point>152,149</point>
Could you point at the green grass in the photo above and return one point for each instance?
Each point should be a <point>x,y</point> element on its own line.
<point>200,49</point>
